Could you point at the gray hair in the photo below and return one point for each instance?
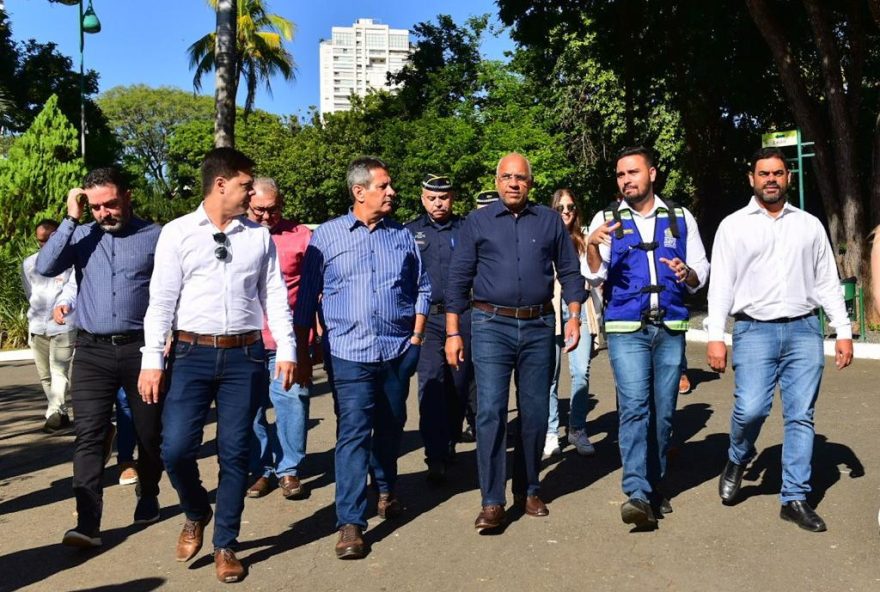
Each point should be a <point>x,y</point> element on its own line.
<point>528,164</point>
<point>360,171</point>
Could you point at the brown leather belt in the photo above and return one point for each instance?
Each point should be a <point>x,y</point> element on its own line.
<point>520,312</point>
<point>219,341</point>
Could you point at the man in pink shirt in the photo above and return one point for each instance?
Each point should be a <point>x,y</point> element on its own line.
<point>280,448</point>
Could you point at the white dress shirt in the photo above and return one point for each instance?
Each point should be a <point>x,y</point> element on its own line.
<point>191,290</point>
<point>44,294</point>
<point>696,253</point>
<point>772,268</point>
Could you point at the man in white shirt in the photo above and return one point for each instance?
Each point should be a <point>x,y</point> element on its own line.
<point>216,274</point>
<point>773,267</point>
<point>649,254</point>
<point>51,342</point>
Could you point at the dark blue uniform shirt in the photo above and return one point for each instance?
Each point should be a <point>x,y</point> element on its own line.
<point>509,260</point>
<point>436,244</point>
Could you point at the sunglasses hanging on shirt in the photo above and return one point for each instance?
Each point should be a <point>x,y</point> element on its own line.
<point>220,252</point>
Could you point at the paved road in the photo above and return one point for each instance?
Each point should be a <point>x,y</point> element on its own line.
<point>582,545</point>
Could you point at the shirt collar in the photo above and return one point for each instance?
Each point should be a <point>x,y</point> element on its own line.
<point>500,209</point>
<point>754,208</point>
<point>354,222</point>
<point>444,226</point>
<point>202,220</point>
<point>658,203</point>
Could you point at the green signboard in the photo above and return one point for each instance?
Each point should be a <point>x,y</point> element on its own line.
<point>778,139</point>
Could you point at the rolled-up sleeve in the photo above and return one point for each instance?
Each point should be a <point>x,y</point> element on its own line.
<point>696,253</point>
<point>462,269</point>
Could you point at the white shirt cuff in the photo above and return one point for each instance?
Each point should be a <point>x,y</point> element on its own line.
<point>844,332</point>
<point>152,361</point>
<point>284,353</point>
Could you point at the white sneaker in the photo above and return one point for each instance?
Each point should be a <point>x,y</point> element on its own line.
<point>551,445</point>
<point>581,442</point>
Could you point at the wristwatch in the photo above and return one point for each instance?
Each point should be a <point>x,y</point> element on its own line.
<point>419,336</point>
<point>72,219</point>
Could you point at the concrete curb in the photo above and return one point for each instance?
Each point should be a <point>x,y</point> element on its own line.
<point>861,351</point>
<point>16,355</point>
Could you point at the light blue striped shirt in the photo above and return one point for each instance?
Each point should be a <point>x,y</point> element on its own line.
<point>373,284</point>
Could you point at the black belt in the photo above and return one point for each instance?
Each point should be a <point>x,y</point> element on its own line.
<point>741,316</point>
<point>115,339</point>
<point>437,309</point>
<point>516,312</point>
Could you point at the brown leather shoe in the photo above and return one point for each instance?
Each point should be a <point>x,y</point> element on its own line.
<point>351,542</point>
<point>291,487</point>
<point>190,541</point>
<point>260,487</point>
<point>532,505</point>
<point>388,506</point>
<point>490,517</point>
<point>229,568</point>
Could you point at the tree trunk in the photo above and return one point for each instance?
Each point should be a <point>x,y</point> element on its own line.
<point>225,82</point>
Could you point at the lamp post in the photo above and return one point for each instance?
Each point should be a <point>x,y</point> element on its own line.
<point>88,23</point>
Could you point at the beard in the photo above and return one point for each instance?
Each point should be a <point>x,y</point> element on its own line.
<point>637,198</point>
<point>113,225</point>
<point>771,199</point>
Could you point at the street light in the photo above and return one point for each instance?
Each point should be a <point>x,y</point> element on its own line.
<point>88,23</point>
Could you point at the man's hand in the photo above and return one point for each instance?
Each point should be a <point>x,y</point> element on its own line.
<point>716,355</point>
<point>286,371</point>
<point>678,267</point>
<point>454,349</point>
<point>76,202</point>
<point>150,383</point>
<point>602,235</point>
<point>302,368</point>
<point>844,353</point>
<point>59,312</point>
<point>572,331</point>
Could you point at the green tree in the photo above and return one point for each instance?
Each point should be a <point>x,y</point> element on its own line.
<point>43,164</point>
<point>260,52</point>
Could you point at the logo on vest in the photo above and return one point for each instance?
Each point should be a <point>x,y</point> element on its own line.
<point>669,241</point>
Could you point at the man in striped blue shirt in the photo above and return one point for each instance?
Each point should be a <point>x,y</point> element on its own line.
<point>375,300</point>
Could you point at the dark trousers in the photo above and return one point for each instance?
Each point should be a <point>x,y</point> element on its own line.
<point>443,392</point>
<point>236,379</point>
<point>99,371</point>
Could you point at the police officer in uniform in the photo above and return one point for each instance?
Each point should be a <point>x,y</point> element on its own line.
<point>443,391</point>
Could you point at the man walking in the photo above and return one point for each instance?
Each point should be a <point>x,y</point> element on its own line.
<point>113,259</point>
<point>773,267</point>
<point>649,254</point>
<point>443,391</point>
<point>51,342</point>
<point>507,254</point>
<point>216,277</point>
<point>375,297</point>
<point>279,449</point>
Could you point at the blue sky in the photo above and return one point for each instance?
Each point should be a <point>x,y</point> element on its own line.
<point>145,42</point>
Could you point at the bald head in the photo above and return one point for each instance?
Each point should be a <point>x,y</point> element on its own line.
<point>513,180</point>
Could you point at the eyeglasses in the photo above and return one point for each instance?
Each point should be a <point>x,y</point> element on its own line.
<point>566,208</point>
<point>220,252</point>
<point>265,211</point>
<point>508,177</point>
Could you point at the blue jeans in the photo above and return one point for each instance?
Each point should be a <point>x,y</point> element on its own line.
<point>647,366</point>
<point>279,448</point>
<point>198,375</point>
<point>501,345</point>
<point>125,438</point>
<point>791,355</point>
<point>370,415</point>
<point>443,392</point>
<point>579,369</point>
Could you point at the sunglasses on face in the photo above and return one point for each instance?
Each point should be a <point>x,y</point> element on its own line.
<point>566,208</point>
<point>220,252</point>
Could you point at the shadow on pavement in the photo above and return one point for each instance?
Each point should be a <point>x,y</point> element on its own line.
<point>141,585</point>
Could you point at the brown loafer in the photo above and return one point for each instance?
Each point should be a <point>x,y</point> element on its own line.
<point>190,541</point>
<point>532,505</point>
<point>388,506</point>
<point>260,488</point>
<point>229,568</point>
<point>291,487</point>
<point>351,542</point>
<point>490,517</point>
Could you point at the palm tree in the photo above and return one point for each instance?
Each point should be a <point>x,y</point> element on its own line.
<point>260,49</point>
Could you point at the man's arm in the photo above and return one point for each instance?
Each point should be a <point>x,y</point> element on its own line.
<point>568,271</point>
<point>304,312</point>
<point>721,287</point>
<point>462,270</point>
<point>58,254</point>
<point>599,247</point>
<point>829,295</point>
<point>273,298</point>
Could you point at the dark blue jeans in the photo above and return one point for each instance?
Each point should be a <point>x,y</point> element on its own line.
<point>370,415</point>
<point>198,375</point>
<point>500,345</point>
<point>443,392</point>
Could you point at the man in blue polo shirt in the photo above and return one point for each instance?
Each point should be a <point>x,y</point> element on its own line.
<point>507,254</point>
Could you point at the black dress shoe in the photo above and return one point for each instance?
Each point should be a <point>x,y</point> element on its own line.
<point>661,506</point>
<point>730,481</point>
<point>638,512</point>
<point>803,515</point>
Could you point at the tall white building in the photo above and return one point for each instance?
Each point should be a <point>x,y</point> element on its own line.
<point>359,58</point>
